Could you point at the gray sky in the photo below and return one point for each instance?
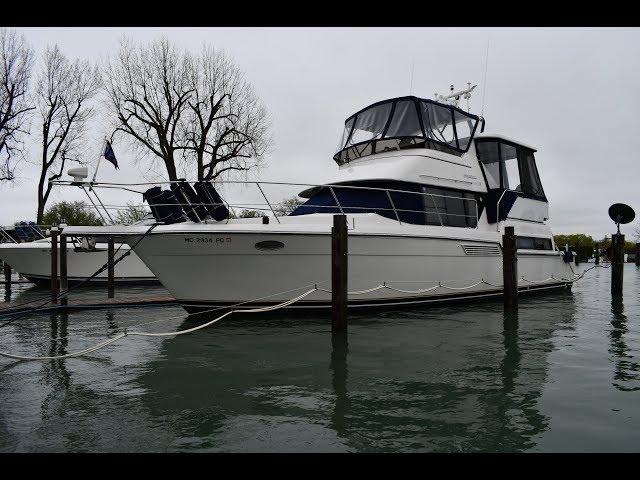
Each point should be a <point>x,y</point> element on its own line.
<point>572,92</point>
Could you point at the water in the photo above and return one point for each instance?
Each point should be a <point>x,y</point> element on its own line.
<point>564,375</point>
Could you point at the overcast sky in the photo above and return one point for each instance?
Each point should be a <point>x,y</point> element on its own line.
<point>571,92</point>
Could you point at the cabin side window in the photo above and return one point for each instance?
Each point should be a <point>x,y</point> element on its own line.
<point>416,204</point>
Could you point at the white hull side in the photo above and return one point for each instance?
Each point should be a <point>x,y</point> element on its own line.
<point>33,260</point>
<point>225,267</point>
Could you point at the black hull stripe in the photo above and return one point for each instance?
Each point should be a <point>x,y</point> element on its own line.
<point>194,306</point>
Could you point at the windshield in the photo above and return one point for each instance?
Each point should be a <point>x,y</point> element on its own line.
<point>406,122</point>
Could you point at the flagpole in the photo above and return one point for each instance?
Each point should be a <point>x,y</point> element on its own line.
<point>104,145</point>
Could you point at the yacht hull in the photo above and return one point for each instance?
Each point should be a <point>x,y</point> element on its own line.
<point>209,269</point>
<point>33,261</point>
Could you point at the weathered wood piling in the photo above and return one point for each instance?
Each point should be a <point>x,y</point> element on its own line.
<point>7,280</point>
<point>509,268</point>
<point>54,265</point>
<point>339,263</point>
<point>110,268</point>
<point>617,263</point>
<point>64,281</point>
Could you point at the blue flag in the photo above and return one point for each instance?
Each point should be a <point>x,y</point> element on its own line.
<point>109,155</point>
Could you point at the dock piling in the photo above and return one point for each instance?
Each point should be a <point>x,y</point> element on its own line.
<point>54,265</point>
<point>110,268</point>
<point>64,281</point>
<point>7,280</point>
<point>617,263</point>
<point>597,254</point>
<point>509,268</point>
<point>637,255</point>
<point>339,263</point>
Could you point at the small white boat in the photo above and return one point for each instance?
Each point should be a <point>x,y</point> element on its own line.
<point>426,198</point>
<point>33,261</point>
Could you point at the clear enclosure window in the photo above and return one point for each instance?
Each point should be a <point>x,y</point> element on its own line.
<point>510,167</point>
<point>464,129</point>
<point>370,124</point>
<point>405,122</point>
<point>529,173</point>
<point>488,154</point>
<point>511,173</point>
<point>346,133</point>
<point>438,123</point>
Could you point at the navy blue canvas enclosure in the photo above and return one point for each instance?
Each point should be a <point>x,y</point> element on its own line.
<point>191,203</point>
<point>213,201</point>
<point>164,205</point>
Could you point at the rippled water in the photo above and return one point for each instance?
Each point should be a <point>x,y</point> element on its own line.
<point>562,375</point>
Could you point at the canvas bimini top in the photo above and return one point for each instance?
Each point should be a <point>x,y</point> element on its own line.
<point>406,122</point>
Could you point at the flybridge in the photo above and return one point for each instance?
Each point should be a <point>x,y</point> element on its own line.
<point>406,122</point>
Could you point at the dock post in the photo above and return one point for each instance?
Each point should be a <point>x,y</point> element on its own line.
<point>577,259</point>
<point>110,266</point>
<point>597,254</point>
<point>637,254</point>
<point>7,279</point>
<point>54,265</point>
<point>339,263</point>
<point>509,268</point>
<point>64,282</point>
<point>617,263</point>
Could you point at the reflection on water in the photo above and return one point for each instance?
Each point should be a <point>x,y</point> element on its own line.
<point>449,378</point>
<point>627,370</point>
<point>339,373</point>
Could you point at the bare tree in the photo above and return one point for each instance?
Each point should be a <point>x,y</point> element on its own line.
<point>16,60</point>
<point>194,111</point>
<point>227,127</point>
<point>63,92</point>
<point>147,90</point>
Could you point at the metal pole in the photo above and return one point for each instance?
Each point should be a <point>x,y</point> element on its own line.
<point>267,200</point>
<point>339,263</point>
<point>54,265</point>
<point>617,264</point>
<point>509,268</point>
<point>64,282</point>
<point>110,268</point>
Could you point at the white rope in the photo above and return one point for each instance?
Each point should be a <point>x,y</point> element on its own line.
<point>538,281</point>
<point>68,355</point>
<point>263,309</point>
<point>160,334</point>
<point>356,292</point>
<point>461,288</point>
<point>421,290</point>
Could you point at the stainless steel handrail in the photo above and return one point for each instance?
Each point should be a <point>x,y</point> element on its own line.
<point>498,209</point>
<point>330,187</point>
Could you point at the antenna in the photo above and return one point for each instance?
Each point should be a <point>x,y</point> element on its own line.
<point>454,97</point>
<point>484,81</point>
<point>411,77</point>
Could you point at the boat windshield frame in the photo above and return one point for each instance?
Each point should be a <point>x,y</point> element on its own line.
<point>398,140</point>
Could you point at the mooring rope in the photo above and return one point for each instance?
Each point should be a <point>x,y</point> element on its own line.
<point>284,304</point>
<point>127,333</point>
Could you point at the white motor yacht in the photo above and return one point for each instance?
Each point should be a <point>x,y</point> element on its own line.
<point>426,198</point>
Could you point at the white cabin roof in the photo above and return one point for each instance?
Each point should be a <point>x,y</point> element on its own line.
<point>503,137</point>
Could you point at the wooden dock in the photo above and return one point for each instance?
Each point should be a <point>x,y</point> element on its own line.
<point>10,308</point>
